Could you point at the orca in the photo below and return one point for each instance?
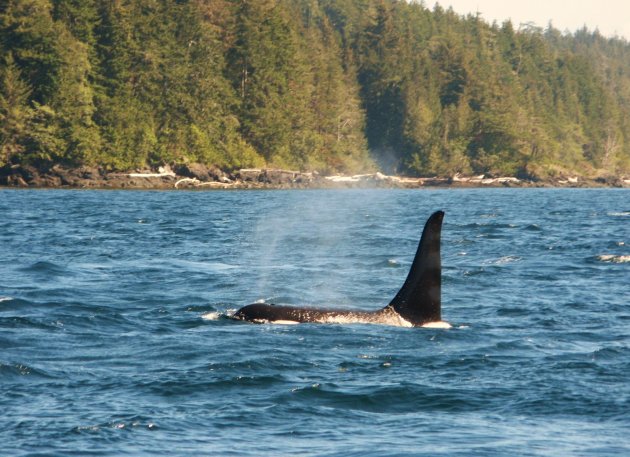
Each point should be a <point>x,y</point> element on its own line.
<point>418,303</point>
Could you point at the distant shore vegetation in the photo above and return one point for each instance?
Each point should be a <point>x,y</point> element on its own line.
<point>333,86</point>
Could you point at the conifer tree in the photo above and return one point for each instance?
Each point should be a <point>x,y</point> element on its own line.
<point>328,85</point>
<point>15,113</point>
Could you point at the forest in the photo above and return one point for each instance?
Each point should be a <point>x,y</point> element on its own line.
<point>333,86</point>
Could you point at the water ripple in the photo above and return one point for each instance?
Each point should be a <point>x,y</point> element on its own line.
<point>115,337</point>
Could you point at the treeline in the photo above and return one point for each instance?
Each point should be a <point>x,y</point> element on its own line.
<point>327,85</point>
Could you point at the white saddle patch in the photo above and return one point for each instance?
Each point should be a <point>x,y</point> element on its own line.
<point>437,324</point>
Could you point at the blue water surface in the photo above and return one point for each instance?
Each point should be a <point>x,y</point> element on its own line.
<point>114,338</point>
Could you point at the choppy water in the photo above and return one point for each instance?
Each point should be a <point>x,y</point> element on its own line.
<point>114,341</point>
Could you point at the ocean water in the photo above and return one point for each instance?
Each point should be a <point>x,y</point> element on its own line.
<point>115,340</point>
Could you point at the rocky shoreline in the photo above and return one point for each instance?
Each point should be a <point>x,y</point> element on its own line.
<point>197,176</point>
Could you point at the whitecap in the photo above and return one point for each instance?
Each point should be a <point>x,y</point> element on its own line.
<point>5,299</point>
<point>504,260</point>
<point>211,316</point>
<point>620,214</point>
<point>614,258</point>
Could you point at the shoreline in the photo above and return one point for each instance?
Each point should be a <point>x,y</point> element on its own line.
<point>199,177</point>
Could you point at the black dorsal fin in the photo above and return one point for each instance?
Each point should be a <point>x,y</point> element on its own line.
<point>419,300</point>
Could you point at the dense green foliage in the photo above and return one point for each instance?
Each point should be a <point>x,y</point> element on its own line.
<point>328,85</point>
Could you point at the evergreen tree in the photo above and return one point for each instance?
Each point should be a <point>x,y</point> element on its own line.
<point>15,113</point>
<point>329,85</point>
<point>260,66</point>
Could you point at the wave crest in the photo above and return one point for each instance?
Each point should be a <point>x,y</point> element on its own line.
<point>614,258</point>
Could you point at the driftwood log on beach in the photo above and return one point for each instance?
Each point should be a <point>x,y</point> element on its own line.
<point>198,176</point>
